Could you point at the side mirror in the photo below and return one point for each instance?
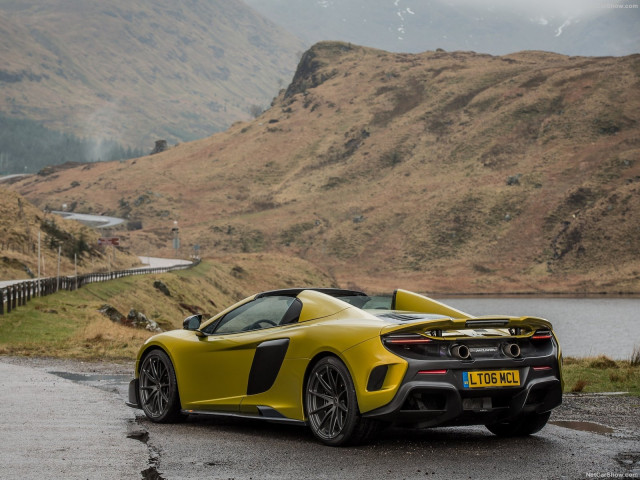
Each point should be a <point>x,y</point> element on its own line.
<point>192,323</point>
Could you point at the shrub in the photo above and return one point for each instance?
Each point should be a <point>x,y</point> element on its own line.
<point>634,361</point>
<point>602,362</point>
<point>579,386</point>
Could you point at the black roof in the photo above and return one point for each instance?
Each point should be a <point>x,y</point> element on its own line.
<point>294,292</point>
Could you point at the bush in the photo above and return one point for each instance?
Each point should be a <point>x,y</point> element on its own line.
<point>634,361</point>
<point>602,362</point>
<point>578,386</point>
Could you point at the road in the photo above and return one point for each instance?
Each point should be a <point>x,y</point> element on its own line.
<point>55,428</point>
<point>14,175</point>
<point>94,221</point>
<point>61,426</point>
<point>156,262</point>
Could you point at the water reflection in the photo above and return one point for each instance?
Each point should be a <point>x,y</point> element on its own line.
<point>583,426</point>
<point>585,326</point>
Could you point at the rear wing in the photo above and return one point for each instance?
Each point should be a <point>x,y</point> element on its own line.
<point>512,326</point>
<point>404,300</point>
<point>412,302</point>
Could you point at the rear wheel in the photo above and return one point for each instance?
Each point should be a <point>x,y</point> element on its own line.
<point>331,405</point>
<point>525,425</point>
<point>158,388</point>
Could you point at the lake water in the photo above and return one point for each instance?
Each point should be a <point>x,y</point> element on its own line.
<point>585,326</point>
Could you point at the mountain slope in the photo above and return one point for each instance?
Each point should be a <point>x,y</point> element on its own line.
<point>498,28</point>
<point>439,171</point>
<point>21,225</point>
<point>135,71</point>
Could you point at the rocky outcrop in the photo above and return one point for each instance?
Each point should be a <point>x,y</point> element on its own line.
<point>134,319</point>
<point>158,285</point>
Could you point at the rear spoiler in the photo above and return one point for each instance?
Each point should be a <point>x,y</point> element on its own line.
<point>412,302</point>
<point>518,326</point>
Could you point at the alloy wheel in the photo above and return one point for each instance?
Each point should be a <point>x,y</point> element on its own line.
<point>327,401</point>
<point>155,386</point>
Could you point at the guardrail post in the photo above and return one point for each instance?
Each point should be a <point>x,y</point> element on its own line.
<point>12,298</point>
<point>1,301</point>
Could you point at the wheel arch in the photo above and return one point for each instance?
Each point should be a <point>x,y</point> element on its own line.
<point>147,351</point>
<point>312,363</point>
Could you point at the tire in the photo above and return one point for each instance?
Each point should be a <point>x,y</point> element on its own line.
<point>158,388</point>
<point>331,405</point>
<point>523,426</point>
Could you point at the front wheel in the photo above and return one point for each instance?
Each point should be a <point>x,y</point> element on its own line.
<point>525,425</point>
<point>159,388</point>
<point>331,405</point>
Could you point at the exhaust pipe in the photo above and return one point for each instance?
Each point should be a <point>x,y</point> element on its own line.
<point>460,351</point>
<point>511,350</point>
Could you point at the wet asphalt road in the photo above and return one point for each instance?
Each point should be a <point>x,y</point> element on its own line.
<point>74,424</point>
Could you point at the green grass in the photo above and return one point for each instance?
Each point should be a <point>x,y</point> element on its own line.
<point>39,321</point>
<point>601,374</point>
<point>68,324</point>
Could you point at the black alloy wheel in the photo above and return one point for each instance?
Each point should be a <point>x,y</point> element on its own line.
<point>158,388</point>
<point>331,405</point>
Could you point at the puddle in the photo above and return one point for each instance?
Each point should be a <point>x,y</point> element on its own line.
<point>118,383</point>
<point>583,426</point>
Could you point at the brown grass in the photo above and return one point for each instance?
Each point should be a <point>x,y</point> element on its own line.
<point>579,386</point>
<point>122,93</point>
<point>420,206</point>
<point>635,356</point>
<point>602,362</point>
<point>21,223</point>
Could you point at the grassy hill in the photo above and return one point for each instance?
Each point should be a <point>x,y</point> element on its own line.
<point>138,70</point>
<point>437,171</point>
<point>69,324</point>
<point>20,225</point>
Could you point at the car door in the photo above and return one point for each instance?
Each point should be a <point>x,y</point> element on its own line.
<point>217,366</point>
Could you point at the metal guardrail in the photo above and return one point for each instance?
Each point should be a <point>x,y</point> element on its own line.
<point>19,294</point>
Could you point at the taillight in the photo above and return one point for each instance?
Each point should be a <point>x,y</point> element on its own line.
<point>541,335</point>
<point>414,339</point>
<point>541,369</point>
<point>432,372</point>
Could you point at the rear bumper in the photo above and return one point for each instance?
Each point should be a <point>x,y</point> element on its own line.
<point>425,401</point>
<point>134,399</point>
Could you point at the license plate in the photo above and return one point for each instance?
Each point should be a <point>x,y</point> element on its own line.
<point>498,378</point>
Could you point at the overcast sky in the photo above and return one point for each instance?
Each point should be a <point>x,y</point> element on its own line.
<point>545,7</point>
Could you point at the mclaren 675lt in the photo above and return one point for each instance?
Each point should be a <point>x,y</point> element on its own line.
<point>345,364</point>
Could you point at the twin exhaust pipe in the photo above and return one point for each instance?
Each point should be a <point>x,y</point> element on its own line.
<point>460,351</point>
<point>511,350</point>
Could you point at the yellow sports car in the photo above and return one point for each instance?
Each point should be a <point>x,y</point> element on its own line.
<point>345,364</point>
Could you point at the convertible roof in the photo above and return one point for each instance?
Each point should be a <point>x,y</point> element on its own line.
<point>294,292</point>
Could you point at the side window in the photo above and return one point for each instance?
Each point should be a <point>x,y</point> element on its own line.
<point>261,313</point>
